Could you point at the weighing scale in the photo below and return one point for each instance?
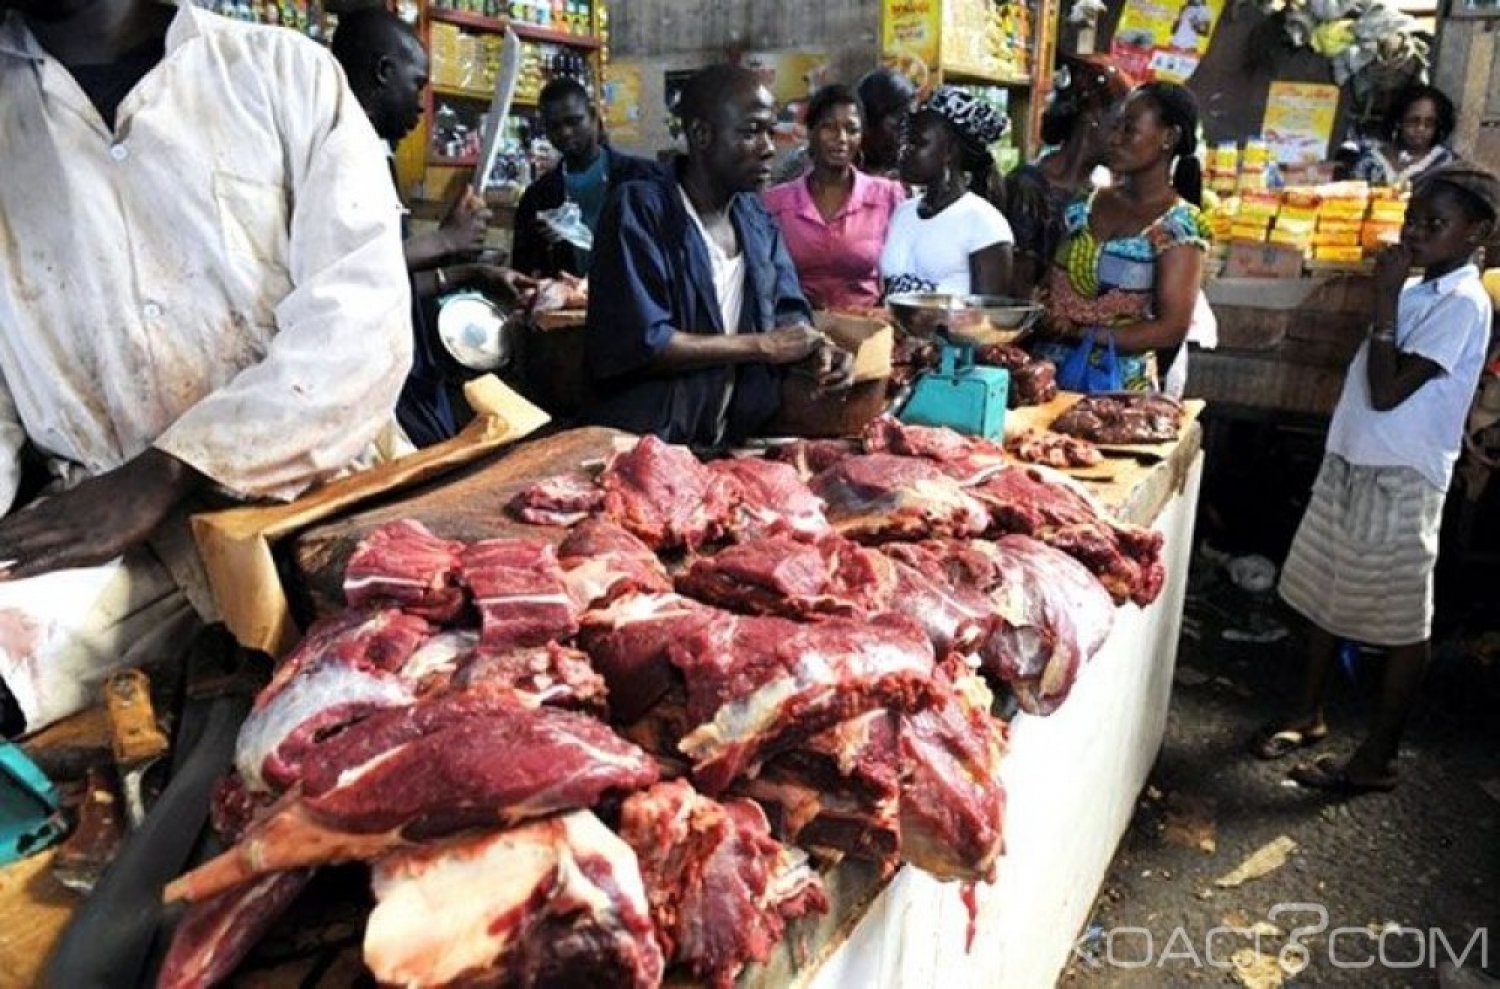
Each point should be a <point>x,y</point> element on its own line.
<point>959,393</point>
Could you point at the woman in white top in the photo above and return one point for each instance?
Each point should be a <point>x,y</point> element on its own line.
<point>951,239</point>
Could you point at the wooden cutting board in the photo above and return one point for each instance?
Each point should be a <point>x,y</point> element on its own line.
<point>1041,418</point>
<point>468,505</point>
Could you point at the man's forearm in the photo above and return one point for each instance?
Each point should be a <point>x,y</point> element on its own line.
<point>692,351</point>
<point>425,251</point>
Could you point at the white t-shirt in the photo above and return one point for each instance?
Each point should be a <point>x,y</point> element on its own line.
<point>932,255</point>
<point>1446,321</point>
<point>729,289</point>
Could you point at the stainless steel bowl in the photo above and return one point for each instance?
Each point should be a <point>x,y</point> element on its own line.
<point>978,318</point>
<point>474,331</point>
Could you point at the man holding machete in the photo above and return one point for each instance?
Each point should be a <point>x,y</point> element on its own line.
<point>695,312</point>
<point>386,66</point>
<point>201,288</point>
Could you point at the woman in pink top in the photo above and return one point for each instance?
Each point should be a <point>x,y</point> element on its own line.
<point>835,218</point>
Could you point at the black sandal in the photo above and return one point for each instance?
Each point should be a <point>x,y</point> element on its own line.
<point>1324,773</point>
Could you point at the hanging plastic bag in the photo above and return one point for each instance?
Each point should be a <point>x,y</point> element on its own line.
<point>1090,369</point>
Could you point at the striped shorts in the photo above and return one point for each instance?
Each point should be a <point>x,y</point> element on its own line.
<point>1361,565</point>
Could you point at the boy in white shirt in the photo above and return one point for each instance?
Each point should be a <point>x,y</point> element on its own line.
<point>1361,565</point>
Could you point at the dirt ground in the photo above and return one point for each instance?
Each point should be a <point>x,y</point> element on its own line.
<point>1378,881</point>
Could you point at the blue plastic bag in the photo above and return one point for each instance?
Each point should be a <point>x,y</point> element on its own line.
<point>1090,370</point>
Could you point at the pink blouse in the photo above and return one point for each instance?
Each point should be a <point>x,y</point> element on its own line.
<point>838,262</point>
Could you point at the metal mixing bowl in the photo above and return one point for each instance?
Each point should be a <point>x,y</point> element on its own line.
<point>973,318</point>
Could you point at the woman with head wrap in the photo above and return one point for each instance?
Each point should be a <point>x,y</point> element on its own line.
<point>1129,267</point>
<point>1087,90</point>
<point>1420,120</point>
<point>951,239</point>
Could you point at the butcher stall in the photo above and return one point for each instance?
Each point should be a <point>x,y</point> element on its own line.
<point>856,712</point>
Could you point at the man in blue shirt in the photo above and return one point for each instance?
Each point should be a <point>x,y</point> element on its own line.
<point>588,171</point>
<point>695,312</point>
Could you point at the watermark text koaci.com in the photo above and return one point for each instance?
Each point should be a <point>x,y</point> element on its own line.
<point>1308,937</point>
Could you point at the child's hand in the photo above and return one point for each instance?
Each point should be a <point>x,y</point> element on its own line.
<point>1392,267</point>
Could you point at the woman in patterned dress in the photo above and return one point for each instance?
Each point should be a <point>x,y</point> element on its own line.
<point>1131,260</point>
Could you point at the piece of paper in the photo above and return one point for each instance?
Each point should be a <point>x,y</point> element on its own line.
<point>1265,861</point>
<point>1164,39</point>
<point>1299,121</point>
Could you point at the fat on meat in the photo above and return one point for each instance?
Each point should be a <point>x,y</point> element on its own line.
<point>629,642</point>
<point>563,500</point>
<point>1053,617</point>
<point>721,888</point>
<point>403,565</point>
<point>520,591</point>
<point>780,575</point>
<point>757,686</point>
<point>553,902</point>
<point>471,759</point>
<point>770,498</point>
<point>601,561</point>
<point>882,497</point>
<point>344,668</point>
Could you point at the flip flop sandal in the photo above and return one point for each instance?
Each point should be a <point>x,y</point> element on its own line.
<point>1324,773</point>
<point>1272,742</point>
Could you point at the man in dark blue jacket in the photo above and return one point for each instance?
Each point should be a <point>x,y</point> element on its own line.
<point>589,170</point>
<point>695,312</point>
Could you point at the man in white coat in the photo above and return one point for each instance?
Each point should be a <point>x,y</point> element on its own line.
<point>201,291</point>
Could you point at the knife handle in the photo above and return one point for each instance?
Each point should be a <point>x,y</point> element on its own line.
<point>134,733</point>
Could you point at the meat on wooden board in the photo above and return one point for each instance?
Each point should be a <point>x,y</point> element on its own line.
<point>441,765</point>
<point>721,888</point>
<point>1118,419</point>
<point>813,658</point>
<point>1053,449</point>
<point>520,592</point>
<point>557,901</point>
<point>404,565</point>
<point>561,500</point>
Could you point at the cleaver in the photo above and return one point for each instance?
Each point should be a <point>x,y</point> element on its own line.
<point>494,117</point>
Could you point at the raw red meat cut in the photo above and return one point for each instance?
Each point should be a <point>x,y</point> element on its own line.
<point>564,500</point>
<point>551,903</point>
<point>757,686</point>
<point>1125,558</point>
<point>812,457</point>
<point>966,459</point>
<point>403,565</point>
<point>721,888</point>
<point>781,576</point>
<point>770,498</point>
<point>1052,616</point>
<point>1123,419</point>
<point>470,759</point>
<point>839,792</point>
<point>601,561</point>
<point>1034,383</point>
<point>215,935</point>
<point>880,496</point>
<point>629,641</point>
<point>952,802</point>
<point>550,674</point>
<point>945,586</point>
<point>662,494</point>
<point>519,589</point>
<point>431,667</point>
<point>1053,449</point>
<point>344,668</point>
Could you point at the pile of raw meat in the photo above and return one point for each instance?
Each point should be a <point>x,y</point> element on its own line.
<point>1123,419</point>
<point>596,761</point>
<point>1033,381</point>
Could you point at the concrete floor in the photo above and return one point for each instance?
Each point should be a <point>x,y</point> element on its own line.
<point>1424,858</point>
